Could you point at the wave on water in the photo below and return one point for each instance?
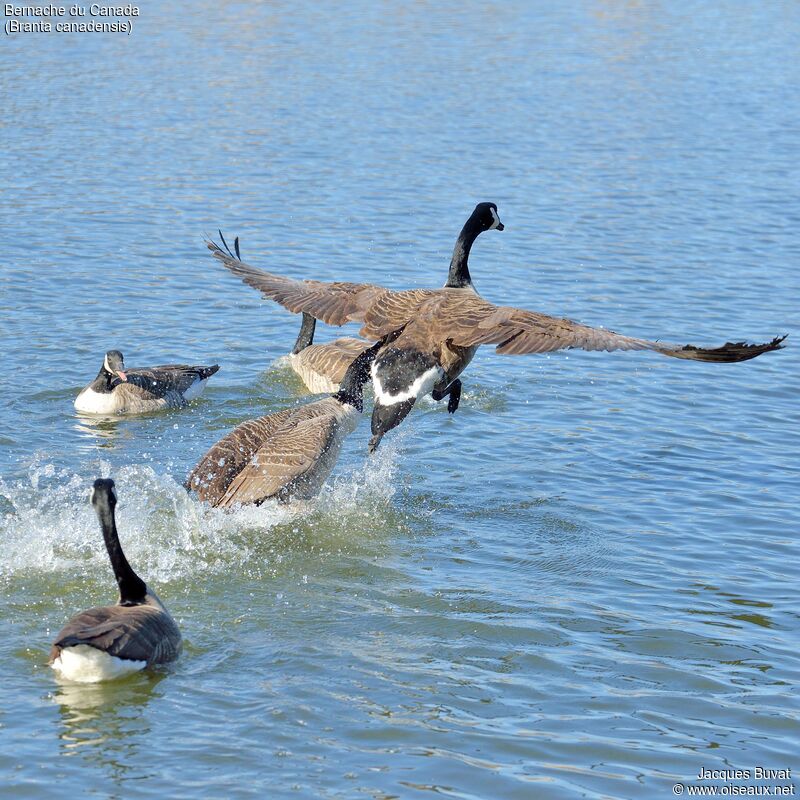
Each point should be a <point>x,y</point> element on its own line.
<point>47,523</point>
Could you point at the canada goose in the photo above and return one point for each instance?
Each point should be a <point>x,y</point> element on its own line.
<point>439,330</point>
<point>113,641</point>
<point>116,390</point>
<point>286,454</point>
<point>322,366</point>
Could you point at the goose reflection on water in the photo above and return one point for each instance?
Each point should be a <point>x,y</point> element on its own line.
<point>108,718</point>
<point>98,432</point>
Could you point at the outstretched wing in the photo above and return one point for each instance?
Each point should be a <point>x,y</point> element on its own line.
<point>334,303</point>
<point>461,317</point>
<point>471,321</point>
<point>285,458</point>
<point>515,331</point>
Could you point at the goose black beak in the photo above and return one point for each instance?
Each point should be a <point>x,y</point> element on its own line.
<point>500,226</point>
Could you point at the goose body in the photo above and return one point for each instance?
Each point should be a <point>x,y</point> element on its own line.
<point>438,330</point>
<point>109,642</point>
<point>288,454</point>
<point>323,366</point>
<point>116,390</point>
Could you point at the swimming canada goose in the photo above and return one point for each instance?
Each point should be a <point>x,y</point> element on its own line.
<point>113,641</point>
<point>322,366</point>
<point>286,454</point>
<point>439,330</point>
<point>116,390</point>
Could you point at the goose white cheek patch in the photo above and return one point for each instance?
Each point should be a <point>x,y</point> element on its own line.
<point>495,218</point>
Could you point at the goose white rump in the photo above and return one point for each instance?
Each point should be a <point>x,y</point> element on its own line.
<point>85,664</point>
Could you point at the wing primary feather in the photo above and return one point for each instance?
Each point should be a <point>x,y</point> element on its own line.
<point>225,244</point>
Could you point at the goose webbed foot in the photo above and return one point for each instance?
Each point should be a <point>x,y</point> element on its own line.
<point>455,396</point>
<point>454,392</point>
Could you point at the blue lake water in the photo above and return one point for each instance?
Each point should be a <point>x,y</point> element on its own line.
<point>584,583</point>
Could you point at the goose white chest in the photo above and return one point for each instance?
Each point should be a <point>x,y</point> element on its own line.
<point>91,402</point>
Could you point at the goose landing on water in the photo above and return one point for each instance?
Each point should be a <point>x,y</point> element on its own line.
<point>439,330</point>
<point>284,455</point>
<point>113,641</point>
<point>116,390</point>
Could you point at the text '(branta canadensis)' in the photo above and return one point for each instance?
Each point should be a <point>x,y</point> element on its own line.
<point>284,455</point>
<point>440,329</point>
<point>117,390</point>
<point>113,641</point>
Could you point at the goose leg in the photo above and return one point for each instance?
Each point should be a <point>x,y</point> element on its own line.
<point>454,390</point>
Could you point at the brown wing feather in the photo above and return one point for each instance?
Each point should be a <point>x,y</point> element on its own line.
<point>135,633</point>
<point>333,303</point>
<point>470,321</point>
<point>382,311</point>
<point>219,466</point>
<point>392,310</point>
<point>284,459</point>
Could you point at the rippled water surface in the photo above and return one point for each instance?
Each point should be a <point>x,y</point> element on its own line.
<point>584,584</point>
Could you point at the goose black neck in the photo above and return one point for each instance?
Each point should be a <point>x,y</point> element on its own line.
<point>459,276</point>
<point>351,389</point>
<point>132,589</point>
<point>306,335</point>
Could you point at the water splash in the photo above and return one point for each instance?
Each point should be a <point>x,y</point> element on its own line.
<point>47,523</point>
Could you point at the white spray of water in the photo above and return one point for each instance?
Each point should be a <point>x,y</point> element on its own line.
<point>47,523</point>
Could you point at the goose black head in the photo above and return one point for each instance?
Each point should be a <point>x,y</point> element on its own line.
<point>104,494</point>
<point>483,218</point>
<point>114,365</point>
<point>485,215</point>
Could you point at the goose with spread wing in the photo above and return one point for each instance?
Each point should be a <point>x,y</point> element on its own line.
<point>117,390</point>
<point>285,455</point>
<point>439,330</point>
<point>113,641</point>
